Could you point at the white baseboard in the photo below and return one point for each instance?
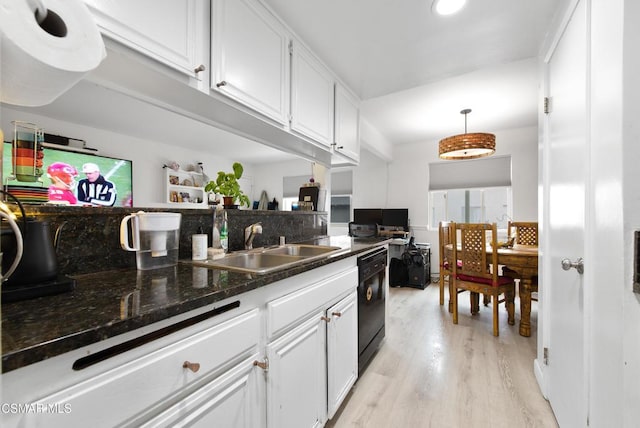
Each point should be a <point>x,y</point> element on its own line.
<point>538,371</point>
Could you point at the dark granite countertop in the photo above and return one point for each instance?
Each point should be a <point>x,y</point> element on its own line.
<point>102,304</point>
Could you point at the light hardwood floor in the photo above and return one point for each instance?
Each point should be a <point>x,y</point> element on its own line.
<point>431,373</point>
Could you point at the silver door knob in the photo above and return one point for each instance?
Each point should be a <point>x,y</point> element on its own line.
<point>578,264</point>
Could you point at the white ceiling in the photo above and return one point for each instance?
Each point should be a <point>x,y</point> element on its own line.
<point>415,71</point>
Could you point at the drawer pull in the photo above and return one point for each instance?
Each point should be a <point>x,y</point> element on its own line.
<point>199,68</point>
<point>220,84</point>
<point>327,319</point>
<point>336,314</point>
<point>194,367</point>
<point>264,365</point>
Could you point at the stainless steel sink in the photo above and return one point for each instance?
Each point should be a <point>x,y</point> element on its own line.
<point>267,260</point>
<point>302,250</point>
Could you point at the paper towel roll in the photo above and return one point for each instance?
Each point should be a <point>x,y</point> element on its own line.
<point>40,61</point>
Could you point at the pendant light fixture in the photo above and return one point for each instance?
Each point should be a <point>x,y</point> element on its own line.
<point>467,146</point>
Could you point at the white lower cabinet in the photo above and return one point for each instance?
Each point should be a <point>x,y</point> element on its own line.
<point>136,389</point>
<point>313,367</point>
<point>312,351</point>
<point>296,385</point>
<point>288,360</point>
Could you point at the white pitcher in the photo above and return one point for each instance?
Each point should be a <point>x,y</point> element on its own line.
<point>155,237</point>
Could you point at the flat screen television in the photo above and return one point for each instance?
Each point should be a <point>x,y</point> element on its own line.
<point>61,174</point>
<point>398,217</point>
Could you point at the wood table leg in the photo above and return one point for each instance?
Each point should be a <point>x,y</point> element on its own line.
<point>474,299</point>
<point>525,307</point>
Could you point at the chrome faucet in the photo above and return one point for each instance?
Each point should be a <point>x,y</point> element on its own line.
<point>249,233</point>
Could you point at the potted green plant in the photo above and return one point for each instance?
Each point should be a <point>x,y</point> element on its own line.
<point>226,184</point>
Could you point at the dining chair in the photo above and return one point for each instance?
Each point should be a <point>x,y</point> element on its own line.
<point>444,232</point>
<point>523,233</point>
<point>477,270</point>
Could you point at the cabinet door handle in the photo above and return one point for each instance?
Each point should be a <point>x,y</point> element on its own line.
<point>199,68</point>
<point>264,365</point>
<point>194,367</point>
<point>327,319</point>
<point>220,84</point>
<point>336,314</point>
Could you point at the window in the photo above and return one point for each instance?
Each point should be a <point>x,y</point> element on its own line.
<point>490,205</point>
<point>473,191</point>
<point>341,191</point>
<point>340,209</point>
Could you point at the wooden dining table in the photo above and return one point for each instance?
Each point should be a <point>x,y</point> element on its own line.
<point>523,260</point>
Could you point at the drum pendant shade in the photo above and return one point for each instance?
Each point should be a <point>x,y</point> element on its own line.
<point>467,145</point>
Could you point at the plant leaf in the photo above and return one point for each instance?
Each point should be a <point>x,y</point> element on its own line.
<point>238,169</point>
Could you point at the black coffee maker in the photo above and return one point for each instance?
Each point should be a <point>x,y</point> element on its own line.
<point>37,273</point>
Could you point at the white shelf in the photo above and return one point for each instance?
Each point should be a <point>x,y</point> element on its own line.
<point>182,191</point>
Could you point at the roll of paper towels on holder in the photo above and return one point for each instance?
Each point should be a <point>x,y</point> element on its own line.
<point>39,61</point>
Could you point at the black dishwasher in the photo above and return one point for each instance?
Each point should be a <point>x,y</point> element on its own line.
<point>371,303</point>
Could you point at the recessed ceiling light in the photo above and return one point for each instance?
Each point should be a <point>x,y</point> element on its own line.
<point>448,7</point>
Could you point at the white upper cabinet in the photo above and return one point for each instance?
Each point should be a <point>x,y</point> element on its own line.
<point>347,127</point>
<point>171,32</point>
<point>250,57</point>
<point>311,96</point>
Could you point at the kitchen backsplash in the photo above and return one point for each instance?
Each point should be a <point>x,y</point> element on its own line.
<point>89,238</point>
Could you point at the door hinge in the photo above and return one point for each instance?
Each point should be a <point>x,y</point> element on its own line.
<point>290,47</point>
<point>547,105</point>
<point>545,356</point>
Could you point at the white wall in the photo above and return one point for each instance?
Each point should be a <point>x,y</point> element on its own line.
<point>408,180</point>
<point>369,186</point>
<point>147,156</point>
<point>268,176</point>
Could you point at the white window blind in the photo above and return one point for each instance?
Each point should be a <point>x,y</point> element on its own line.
<point>489,172</point>
<point>291,185</point>
<point>342,183</point>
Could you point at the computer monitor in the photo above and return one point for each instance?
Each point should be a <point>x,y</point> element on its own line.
<point>398,217</point>
<point>367,215</point>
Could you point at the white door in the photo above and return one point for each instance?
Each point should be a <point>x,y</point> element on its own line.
<point>567,172</point>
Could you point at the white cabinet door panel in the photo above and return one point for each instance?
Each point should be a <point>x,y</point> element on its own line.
<point>296,385</point>
<point>250,57</point>
<point>171,32</point>
<point>342,350</point>
<point>311,97</point>
<point>347,125</point>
